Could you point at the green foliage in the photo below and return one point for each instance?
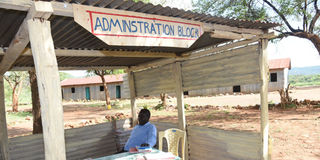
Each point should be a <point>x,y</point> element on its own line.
<point>64,75</point>
<point>144,1</point>
<point>187,106</point>
<point>304,80</point>
<point>17,116</point>
<point>158,107</point>
<point>91,73</point>
<point>290,105</point>
<point>12,79</point>
<point>242,9</point>
<point>280,11</point>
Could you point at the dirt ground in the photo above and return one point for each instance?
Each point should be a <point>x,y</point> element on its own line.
<point>295,132</point>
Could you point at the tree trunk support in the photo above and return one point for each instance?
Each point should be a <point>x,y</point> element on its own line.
<point>264,72</point>
<point>36,112</point>
<point>49,88</point>
<point>180,104</point>
<point>133,98</point>
<point>4,148</point>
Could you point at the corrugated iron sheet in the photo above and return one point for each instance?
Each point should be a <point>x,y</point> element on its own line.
<point>68,34</point>
<point>27,61</point>
<point>280,63</point>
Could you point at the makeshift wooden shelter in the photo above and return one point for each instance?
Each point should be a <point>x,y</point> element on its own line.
<point>165,50</point>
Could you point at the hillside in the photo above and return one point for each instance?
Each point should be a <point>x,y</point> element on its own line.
<point>305,70</point>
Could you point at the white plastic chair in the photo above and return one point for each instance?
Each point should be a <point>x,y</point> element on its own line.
<point>174,137</point>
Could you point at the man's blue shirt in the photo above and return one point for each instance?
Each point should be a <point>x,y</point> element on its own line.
<point>142,134</point>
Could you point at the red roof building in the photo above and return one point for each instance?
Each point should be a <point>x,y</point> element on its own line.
<point>280,63</point>
<point>92,80</point>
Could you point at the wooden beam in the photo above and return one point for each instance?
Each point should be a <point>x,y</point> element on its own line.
<point>230,35</point>
<point>201,52</point>
<point>21,5</point>
<point>101,53</point>
<point>179,94</point>
<point>71,68</point>
<point>180,103</point>
<point>264,72</point>
<point>38,10</point>
<point>208,27</point>
<point>49,88</point>
<point>4,147</point>
<point>133,98</point>
<point>62,9</point>
<point>66,10</point>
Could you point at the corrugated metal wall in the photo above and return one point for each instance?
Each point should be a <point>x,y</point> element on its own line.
<point>154,81</point>
<point>209,143</point>
<point>239,66</point>
<point>90,141</point>
<point>235,67</point>
<point>246,88</point>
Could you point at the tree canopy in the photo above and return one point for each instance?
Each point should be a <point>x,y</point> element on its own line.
<point>299,18</point>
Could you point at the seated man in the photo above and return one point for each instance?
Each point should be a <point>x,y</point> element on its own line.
<point>143,134</point>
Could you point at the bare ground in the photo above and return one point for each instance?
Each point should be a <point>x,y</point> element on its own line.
<point>295,132</point>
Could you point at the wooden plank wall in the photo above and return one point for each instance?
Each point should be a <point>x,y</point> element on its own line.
<point>235,67</point>
<point>209,143</point>
<point>155,81</point>
<point>90,141</point>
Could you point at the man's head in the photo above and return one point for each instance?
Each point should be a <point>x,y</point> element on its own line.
<point>144,116</point>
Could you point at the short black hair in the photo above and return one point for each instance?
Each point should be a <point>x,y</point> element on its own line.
<point>145,112</point>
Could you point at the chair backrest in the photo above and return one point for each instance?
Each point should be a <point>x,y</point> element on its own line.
<point>174,137</point>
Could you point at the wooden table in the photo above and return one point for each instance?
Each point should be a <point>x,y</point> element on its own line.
<point>153,155</point>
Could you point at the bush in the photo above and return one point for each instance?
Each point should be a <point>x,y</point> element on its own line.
<point>187,106</point>
<point>158,107</point>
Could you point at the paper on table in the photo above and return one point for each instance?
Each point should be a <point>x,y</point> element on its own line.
<point>158,156</point>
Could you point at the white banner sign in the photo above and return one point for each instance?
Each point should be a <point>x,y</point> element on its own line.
<point>126,28</point>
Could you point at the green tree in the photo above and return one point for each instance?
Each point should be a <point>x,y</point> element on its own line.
<point>285,12</point>
<point>15,81</point>
<point>144,1</point>
<point>101,73</point>
<point>64,75</point>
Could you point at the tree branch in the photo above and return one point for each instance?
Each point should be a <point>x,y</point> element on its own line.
<point>315,17</point>
<point>7,79</point>
<point>282,16</point>
<point>305,22</point>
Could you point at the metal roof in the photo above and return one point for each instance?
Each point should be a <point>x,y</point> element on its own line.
<point>280,63</point>
<point>118,78</point>
<point>67,34</point>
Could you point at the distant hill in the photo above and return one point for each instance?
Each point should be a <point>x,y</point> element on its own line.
<point>305,70</point>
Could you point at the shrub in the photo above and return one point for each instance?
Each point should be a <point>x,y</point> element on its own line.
<point>187,106</point>
<point>158,107</point>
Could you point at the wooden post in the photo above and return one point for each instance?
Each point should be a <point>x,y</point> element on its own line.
<point>132,98</point>
<point>264,72</point>
<point>4,149</point>
<point>49,88</point>
<point>179,95</point>
<point>180,104</point>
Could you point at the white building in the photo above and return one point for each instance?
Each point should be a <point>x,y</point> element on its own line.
<point>91,88</point>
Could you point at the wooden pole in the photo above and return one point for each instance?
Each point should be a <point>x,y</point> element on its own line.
<point>179,95</point>
<point>133,98</point>
<point>4,149</point>
<point>180,104</point>
<point>49,88</point>
<point>264,72</point>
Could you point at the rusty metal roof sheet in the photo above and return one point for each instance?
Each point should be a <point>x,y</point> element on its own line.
<point>67,34</point>
<point>280,63</point>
